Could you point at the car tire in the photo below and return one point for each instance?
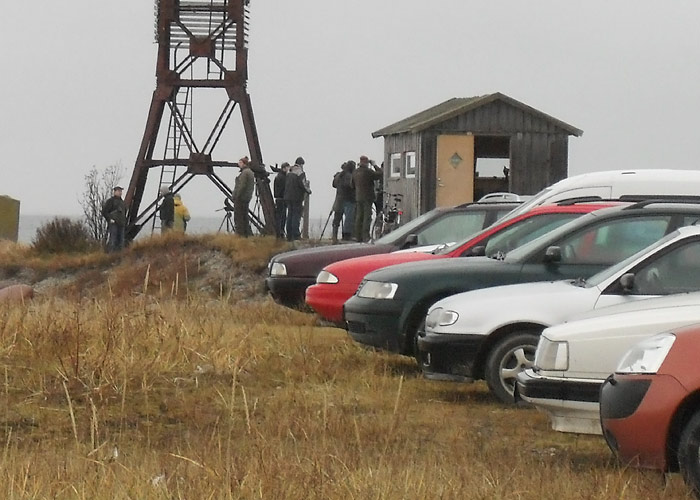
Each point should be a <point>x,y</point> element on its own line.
<point>507,358</point>
<point>689,454</point>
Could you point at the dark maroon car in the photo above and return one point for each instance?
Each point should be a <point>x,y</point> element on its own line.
<point>290,273</point>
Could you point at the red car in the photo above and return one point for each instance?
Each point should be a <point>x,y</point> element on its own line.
<point>337,282</point>
<point>650,408</point>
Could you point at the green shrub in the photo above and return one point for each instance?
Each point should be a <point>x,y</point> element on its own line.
<point>63,235</point>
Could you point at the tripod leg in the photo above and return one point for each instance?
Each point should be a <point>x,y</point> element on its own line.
<point>325,225</point>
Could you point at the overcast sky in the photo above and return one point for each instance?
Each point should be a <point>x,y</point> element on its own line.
<point>324,74</point>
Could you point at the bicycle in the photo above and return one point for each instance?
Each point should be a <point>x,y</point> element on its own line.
<point>390,218</point>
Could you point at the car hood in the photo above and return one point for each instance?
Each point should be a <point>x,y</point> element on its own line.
<point>423,269</point>
<point>596,344</point>
<point>310,261</point>
<point>360,266</point>
<point>545,303</point>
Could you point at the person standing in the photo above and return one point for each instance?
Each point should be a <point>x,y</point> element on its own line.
<point>114,210</point>
<point>242,194</point>
<point>167,209</point>
<point>280,204</point>
<point>344,204</point>
<point>295,189</point>
<point>363,181</point>
<point>182,215</point>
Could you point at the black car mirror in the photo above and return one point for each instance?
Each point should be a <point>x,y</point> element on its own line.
<point>552,254</point>
<point>627,282</point>
<point>411,240</point>
<point>479,251</point>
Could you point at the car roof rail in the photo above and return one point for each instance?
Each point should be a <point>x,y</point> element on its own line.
<point>670,198</point>
<point>578,199</point>
<point>482,203</point>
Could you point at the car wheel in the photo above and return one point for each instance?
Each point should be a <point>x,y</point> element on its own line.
<point>689,454</point>
<point>509,356</point>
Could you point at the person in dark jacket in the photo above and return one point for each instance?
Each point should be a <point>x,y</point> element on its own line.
<point>344,204</point>
<point>114,210</point>
<point>242,194</point>
<point>280,204</point>
<point>363,180</point>
<point>295,189</point>
<point>167,210</point>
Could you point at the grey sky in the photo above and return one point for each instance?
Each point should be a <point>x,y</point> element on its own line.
<point>324,74</point>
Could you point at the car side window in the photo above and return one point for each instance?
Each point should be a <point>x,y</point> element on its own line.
<point>613,240</point>
<point>454,227</point>
<point>676,271</point>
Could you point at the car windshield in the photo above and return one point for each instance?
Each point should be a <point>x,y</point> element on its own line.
<point>518,233</point>
<point>408,228</point>
<point>603,275</point>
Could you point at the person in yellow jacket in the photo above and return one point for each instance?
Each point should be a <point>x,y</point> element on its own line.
<point>182,215</point>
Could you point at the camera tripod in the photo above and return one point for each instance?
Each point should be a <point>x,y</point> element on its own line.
<point>226,221</point>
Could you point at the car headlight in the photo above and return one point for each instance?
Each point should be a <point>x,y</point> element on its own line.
<point>278,269</point>
<point>377,290</point>
<point>326,277</point>
<point>552,355</point>
<point>648,355</point>
<point>441,317</point>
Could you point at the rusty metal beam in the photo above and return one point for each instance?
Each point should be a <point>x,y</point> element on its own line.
<point>206,30</point>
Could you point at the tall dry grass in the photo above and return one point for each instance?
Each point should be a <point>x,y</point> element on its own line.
<point>173,397</point>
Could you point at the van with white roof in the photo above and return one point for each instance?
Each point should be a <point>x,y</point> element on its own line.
<point>618,184</point>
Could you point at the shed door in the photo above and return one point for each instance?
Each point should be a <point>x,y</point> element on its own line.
<point>455,170</point>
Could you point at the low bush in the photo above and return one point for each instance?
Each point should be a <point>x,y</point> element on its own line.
<point>63,235</point>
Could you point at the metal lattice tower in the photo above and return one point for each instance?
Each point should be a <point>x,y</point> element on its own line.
<point>197,39</point>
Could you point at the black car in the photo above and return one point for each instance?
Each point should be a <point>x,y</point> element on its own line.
<point>389,307</point>
<point>291,273</point>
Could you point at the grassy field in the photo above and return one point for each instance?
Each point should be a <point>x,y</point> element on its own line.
<point>143,385</point>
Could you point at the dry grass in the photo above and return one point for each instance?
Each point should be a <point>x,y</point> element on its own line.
<point>197,395</point>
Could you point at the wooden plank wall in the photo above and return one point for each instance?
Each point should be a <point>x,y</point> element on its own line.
<point>409,188</point>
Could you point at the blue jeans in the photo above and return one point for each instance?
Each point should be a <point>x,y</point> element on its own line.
<point>349,217</point>
<point>115,237</point>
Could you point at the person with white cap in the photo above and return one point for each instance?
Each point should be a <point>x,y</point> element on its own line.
<point>167,209</point>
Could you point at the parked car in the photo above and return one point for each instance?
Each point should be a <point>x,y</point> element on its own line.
<point>290,273</point>
<point>337,282</point>
<point>499,327</point>
<point>650,407</point>
<point>574,358</point>
<point>632,185</point>
<point>391,303</point>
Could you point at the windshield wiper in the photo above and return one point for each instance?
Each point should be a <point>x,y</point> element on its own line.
<point>499,255</point>
<point>579,282</point>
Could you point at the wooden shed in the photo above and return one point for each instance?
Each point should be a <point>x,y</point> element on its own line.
<point>431,157</point>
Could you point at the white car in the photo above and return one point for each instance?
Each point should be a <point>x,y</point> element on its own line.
<point>498,328</point>
<point>574,359</point>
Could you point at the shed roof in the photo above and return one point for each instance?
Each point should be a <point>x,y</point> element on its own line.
<point>460,105</point>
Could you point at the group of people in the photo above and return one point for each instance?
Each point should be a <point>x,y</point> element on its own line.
<point>173,216</point>
<point>355,193</point>
<point>290,188</point>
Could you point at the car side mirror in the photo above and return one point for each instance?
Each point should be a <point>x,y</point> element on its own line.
<point>627,282</point>
<point>410,241</point>
<point>552,254</point>
<point>479,251</point>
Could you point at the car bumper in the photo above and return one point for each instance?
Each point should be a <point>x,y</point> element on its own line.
<point>448,356</point>
<point>288,291</point>
<point>328,299</point>
<point>572,404</point>
<point>636,413</point>
<point>375,322</point>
